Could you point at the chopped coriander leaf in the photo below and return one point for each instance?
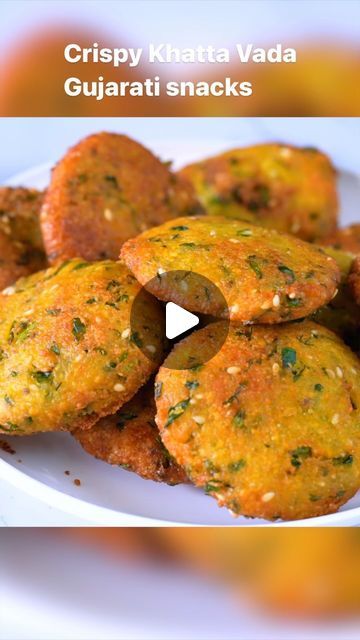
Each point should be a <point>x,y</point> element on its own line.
<point>42,376</point>
<point>78,328</point>
<point>55,348</point>
<point>288,357</point>
<point>288,273</point>
<point>347,458</point>
<point>237,466</point>
<point>176,411</point>
<point>318,387</point>
<point>191,384</point>
<point>299,454</point>
<point>253,263</point>
<point>239,418</point>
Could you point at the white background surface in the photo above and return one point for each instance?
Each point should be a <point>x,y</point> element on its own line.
<point>336,136</point>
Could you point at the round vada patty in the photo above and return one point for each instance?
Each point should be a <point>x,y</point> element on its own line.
<point>270,426</point>
<point>291,189</point>
<point>67,352</point>
<point>131,439</point>
<point>105,190</point>
<point>264,276</point>
<point>21,247</point>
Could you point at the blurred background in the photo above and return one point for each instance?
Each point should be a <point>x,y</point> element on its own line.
<point>28,142</point>
<point>180,584</point>
<point>323,81</point>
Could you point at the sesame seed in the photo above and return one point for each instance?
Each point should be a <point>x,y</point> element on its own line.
<point>184,285</point>
<point>276,367</point>
<point>192,401</point>
<point>330,373</point>
<point>353,370</point>
<point>276,300</point>
<point>29,312</point>
<point>125,333</point>
<point>295,227</point>
<point>150,348</point>
<point>98,320</point>
<point>234,240</point>
<point>339,372</point>
<point>199,396</point>
<point>292,296</point>
<point>199,419</point>
<point>233,370</point>
<point>108,215</point>
<point>212,233</point>
<point>160,271</point>
<point>9,291</point>
<point>234,308</point>
<point>268,496</point>
<point>335,419</point>
<point>335,293</point>
<point>119,387</point>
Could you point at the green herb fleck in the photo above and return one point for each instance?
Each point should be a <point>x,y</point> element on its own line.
<point>55,349</point>
<point>180,227</point>
<point>239,418</point>
<point>176,411</point>
<point>347,458</point>
<point>237,466</point>
<point>253,263</point>
<point>289,274</point>
<point>191,384</point>
<point>288,357</point>
<point>318,387</point>
<point>78,329</point>
<point>42,376</point>
<point>299,454</point>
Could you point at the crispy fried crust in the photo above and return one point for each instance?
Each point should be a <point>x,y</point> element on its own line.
<point>346,239</point>
<point>21,246</point>
<point>67,355</point>
<point>130,439</point>
<point>287,188</point>
<point>342,314</point>
<point>354,279</point>
<point>264,276</point>
<point>105,190</point>
<point>270,425</point>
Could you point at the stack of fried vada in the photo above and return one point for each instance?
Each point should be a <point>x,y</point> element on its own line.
<point>270,425</point>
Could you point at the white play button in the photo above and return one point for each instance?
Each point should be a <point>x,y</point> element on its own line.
<point>178,320</point>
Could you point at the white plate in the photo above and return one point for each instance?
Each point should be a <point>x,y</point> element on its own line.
<point>112,496</point>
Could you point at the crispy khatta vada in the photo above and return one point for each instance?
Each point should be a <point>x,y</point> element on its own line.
<point>130,439</point>
<point>264,276</point>
<point>21,247</point>
<point>270,425</point>
<point>68,356</point>
<point>287,188</point>
<point>105,190</point>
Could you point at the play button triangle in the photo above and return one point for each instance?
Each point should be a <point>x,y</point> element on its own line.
<point>178,320</point>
